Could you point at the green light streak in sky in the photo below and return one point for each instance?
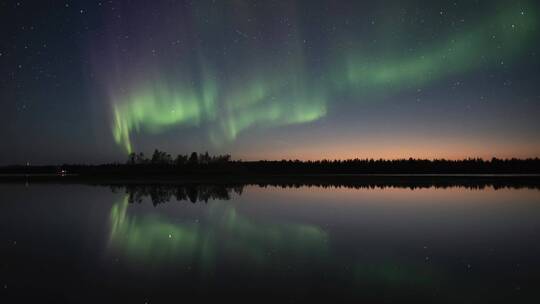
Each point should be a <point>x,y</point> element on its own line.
<point>153,239</point>
<point>492,42</point>
<point>158,107</point>
<point>264,107</point>
<point>282,93</point>
<point>268,101</point>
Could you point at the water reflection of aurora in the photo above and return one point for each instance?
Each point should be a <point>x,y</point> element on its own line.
<point>223,235</point>
<point>155,239</point>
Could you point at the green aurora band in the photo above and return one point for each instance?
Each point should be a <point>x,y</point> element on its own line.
<point>488,44</point>
<point>281,94</point>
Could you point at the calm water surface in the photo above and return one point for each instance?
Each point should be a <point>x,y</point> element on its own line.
<point>154,244</point>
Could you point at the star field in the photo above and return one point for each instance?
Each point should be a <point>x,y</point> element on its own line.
<point>89,81</point>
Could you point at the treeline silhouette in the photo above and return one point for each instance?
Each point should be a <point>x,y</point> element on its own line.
<point>164,158</point>
<point>164,164</point>
<point>160,193</point>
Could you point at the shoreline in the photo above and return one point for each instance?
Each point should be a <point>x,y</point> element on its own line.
<point>349,180</point>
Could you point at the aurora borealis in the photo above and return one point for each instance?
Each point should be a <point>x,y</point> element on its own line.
<point>270,79</point>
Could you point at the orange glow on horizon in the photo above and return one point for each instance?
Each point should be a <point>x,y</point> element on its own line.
<point>399,149</point>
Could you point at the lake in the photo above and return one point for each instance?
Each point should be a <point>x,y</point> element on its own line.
<point>156,243</point>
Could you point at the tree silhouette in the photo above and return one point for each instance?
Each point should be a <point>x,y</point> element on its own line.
<point>161,158</point>
<point>204,158</point>
<point>193,158</point>
<point>141,159</point>
<point>180,160</point>
<point>132,158</point>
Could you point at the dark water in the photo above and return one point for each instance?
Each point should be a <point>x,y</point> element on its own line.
<point>152,244</point>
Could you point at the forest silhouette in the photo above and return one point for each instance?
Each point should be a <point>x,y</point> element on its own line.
<point>161,163</point>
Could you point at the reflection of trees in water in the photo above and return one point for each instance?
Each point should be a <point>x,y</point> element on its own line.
<point>161,193</point>
<point>420,182</point>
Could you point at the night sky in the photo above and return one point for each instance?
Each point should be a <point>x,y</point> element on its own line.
<point>91,81</point>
